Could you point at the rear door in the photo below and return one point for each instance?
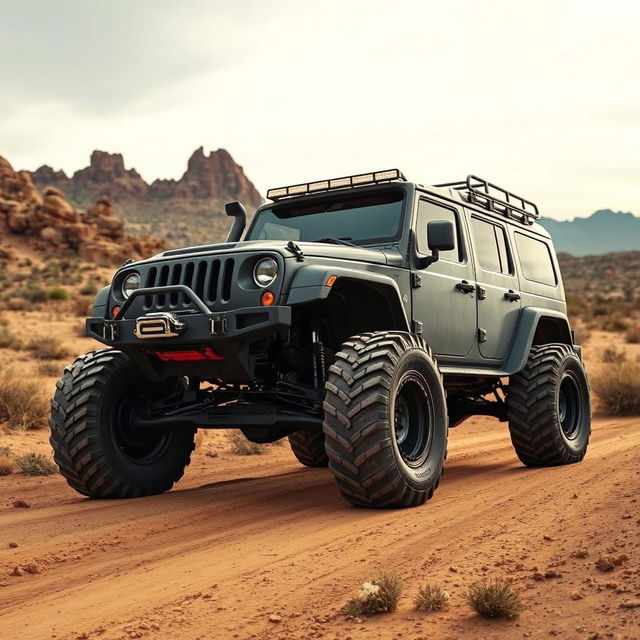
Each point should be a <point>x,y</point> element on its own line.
<point>447,311</point>
<point>498,294</point>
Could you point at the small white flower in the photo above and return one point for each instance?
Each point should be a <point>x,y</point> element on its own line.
<point>369,590</point>
<point>445,595</point>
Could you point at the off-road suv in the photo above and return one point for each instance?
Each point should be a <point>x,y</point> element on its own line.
<point>361,317</point>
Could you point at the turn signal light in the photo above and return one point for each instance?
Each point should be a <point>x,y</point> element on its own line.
<point>331,281</point>
<point>267,299</point>
<point>115,311</point>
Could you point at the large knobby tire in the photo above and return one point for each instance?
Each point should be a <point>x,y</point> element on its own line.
<point>550,408</point>
<point>308,447</point>
<point>385,420</point>
<point>95,446</point>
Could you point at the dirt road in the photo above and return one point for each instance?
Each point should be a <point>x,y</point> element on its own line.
<point>260,547</point>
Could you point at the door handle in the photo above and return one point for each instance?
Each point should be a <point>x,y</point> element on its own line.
<point>465,287</point>
<point>511,295</point>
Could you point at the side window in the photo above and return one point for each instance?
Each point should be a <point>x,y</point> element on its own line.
<point>428,211</point>
<point>535,260</point>
<point>490,251</point>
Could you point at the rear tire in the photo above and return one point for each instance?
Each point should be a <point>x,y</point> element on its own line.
<point>385,420</point>
<point>95,446</point>
<point>308,447</point>
<point>550,408</point>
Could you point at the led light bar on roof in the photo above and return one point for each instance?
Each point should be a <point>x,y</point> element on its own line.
<point>335,183</point>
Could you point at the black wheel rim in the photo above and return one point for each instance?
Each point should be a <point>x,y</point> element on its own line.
<point>570,405</point>
<point>142,446</point>
<point>413,420</point>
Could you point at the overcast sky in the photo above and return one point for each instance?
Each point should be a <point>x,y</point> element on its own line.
<point>543,97</point>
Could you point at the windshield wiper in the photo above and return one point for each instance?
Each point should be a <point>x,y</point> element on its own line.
<point>337,241</point>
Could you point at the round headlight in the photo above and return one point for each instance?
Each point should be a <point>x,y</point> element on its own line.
<point>131,283</point>
<point>265,272</point>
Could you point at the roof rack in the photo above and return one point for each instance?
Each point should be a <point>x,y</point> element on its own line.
<point>375,177</point>
<point>495,198</point>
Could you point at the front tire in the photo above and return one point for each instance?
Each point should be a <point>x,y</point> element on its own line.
<point>385,420</point>
<point>308,447</point>
<point>550,408</point>
<point>95,446</point>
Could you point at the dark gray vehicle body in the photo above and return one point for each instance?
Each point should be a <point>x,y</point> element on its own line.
<point>478,335</point>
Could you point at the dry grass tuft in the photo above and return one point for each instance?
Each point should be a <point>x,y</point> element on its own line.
<point>611,355</point>
<point>378,595</point>
<point>7,465</point>
<point>633,335</point>
<point>9,340</point>
<point>431,597</point>
<point>35,464</point>
<point>50,369</point>
<point>48,349</point>
<point>618,387</point>
<point>242,446</point>
<point>22,403</point>
<point>495,599</point>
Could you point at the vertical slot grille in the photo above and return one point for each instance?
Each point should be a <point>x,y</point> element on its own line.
<point>212,285</point>
<point>151,282</point>
<point>226,279</point>
<point>211,280</point>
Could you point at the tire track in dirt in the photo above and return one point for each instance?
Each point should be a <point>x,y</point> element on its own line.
<point>241,539</point>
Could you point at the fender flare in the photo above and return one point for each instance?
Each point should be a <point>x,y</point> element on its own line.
<point>310,285</point>
<point>523,340</point>
<point>101,302</point>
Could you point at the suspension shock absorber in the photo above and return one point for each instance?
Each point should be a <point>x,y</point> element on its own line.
<point>318,361</point>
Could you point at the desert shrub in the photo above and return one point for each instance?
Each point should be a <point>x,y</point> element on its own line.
<point>50,368</point>
<point>431,597</point>
<point>618,388</point>
<point>242,446</point>
<point>611,355</point>
<point>82,307</point>
<point>378,595</point>
<point>615,324</point>
<point>22,404</point>
<point>7,465</point>
<point>57,293</point>
<point>17,304</point>
<point>35,464</point>
<point>633,335</point>
<point>88,289</point>
<point>32,294</point>
<point>495,599</point>
<point>48,348</point>
<point>9,340</point>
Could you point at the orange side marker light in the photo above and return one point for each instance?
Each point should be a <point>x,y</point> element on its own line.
<point>331,281</point>
<point>267,299</point>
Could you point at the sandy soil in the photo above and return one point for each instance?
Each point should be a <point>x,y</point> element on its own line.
<point>259,547</point>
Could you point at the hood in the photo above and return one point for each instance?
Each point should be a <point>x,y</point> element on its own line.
<point>311,249</point>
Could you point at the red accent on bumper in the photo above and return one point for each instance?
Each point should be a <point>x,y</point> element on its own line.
<point>188,356</point>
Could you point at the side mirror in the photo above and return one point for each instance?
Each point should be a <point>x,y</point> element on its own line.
<point>441,236</point>
<point>236,210</point>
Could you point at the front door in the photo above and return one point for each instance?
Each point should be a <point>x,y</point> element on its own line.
<point>498,290</point>
<point>444,302</point>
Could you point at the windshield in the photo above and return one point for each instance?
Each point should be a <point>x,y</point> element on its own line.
<point>365,219</point>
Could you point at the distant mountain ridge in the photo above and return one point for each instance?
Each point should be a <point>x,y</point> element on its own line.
<point>604,231</point>
<point>189,210</point>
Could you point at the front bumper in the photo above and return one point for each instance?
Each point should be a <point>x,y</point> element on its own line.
<point>229,333</point>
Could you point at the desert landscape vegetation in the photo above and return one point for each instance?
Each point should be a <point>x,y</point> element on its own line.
<point>252,545</point>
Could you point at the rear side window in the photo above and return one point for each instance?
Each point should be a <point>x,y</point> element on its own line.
<point>535,259</point>
<point>428,212</point>
<point>490,245</point>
